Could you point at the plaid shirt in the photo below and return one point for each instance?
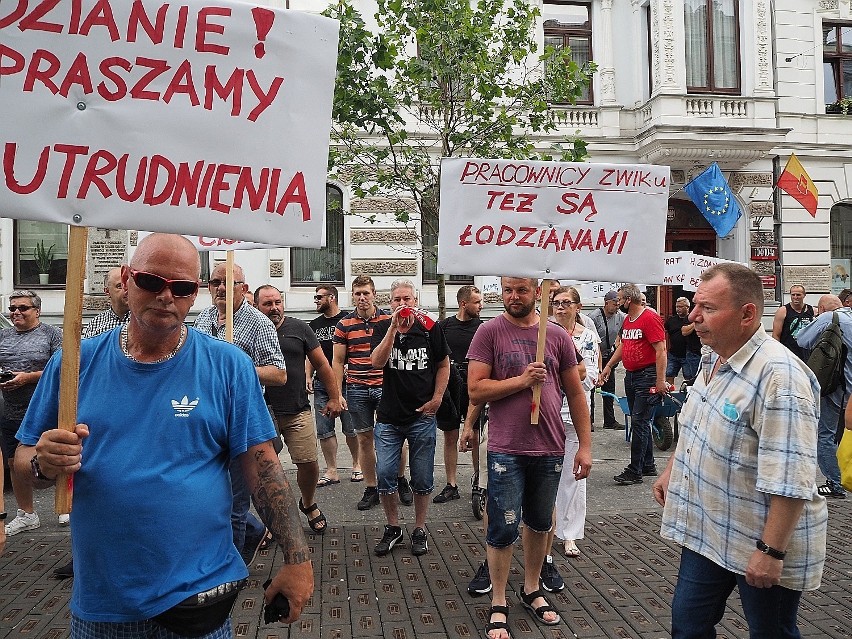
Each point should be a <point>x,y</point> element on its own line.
<point>747,434</point>
<point>254,333</point>
<point>103,322</point>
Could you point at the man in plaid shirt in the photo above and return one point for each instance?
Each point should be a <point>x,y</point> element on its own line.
<point>739,493</point>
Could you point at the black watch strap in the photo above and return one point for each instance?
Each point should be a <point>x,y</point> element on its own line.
<point>36,468</point>
<point>769,550</point>
<point>3,516</point>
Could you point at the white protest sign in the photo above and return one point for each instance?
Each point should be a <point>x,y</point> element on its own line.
<point>203,243</point>
<point>552,219</point>
<point>675,266</point>
<point>696,265</point>
<point>202,116</point>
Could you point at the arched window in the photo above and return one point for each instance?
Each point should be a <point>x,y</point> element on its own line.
<point>309,266</point>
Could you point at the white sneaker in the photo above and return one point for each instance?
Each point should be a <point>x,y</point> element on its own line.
<point>22,522</point>
<point>64,520</point>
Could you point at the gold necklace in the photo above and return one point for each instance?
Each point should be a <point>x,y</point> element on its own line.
<point>126,351</point>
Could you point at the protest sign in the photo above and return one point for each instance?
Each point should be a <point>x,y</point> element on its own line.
<point>552,219</point>
<point>684,268</point>
<point>196,117</point>
<point>204,243</point>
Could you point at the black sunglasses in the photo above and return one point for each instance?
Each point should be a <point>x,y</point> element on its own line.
<point>155,284</point>
<point>20,307</point>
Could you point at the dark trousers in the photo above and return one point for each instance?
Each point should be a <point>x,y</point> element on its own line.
<point>608,402</point>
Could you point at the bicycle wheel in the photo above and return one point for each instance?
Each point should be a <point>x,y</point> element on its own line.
<point>477,502</point>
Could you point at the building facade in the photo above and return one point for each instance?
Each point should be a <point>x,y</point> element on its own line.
<point>684,83</point>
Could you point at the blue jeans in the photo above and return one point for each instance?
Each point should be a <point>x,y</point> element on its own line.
<point>637,388</point>
<point>829,417</point>
<point>325,424</point>
<point>703,588</point>
<point>421,454</point>
<point>363,401</point>
<point>688,364</point>
<point>520,486</point>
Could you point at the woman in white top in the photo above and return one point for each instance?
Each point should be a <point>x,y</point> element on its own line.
<point>570,513</point>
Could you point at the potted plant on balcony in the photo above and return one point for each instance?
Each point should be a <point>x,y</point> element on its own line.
<point>43,258</point>
<point>843,106</point>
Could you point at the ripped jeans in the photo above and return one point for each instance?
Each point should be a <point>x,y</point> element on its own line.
<point>520,486</point>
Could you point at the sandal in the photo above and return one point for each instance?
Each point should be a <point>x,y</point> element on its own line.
<point>327,481</point>
<point>357,476</point>
<point>527,599</point>
<point>497,625</point>
<point>571,549</point>
<point>318,524</point>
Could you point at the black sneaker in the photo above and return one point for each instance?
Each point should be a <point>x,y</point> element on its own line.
<point>392,536</point>
<point>650,472</point>
<point>550,578</point>
<point>830,489</point>
<point>448,494</point>
<point>370,498</point>
<point>627,478</point>
<point>419,545</point>
<point>406,497</point>
<point>481,583</point>
<point>64,572</point>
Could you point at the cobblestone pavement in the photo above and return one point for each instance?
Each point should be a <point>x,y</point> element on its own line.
<point>620,587</point>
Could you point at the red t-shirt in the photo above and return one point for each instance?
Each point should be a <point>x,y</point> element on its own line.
<point>638,337</point>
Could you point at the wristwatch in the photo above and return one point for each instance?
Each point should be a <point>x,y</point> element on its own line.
<point>34,465</point>
<point>3,516</point>
<point>769,550</point>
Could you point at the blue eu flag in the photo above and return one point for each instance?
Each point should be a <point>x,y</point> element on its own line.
<point>713,197</point>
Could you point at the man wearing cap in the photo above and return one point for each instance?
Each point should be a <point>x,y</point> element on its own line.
<point>608,321</point>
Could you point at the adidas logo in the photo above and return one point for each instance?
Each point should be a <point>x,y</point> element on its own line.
<point>184,406</point>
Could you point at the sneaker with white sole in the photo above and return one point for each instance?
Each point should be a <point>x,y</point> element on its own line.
<point>392,536</point>
<point>65,520</point>
<point>481,582</point>
<point>550,578</point>
<point>22,522</point>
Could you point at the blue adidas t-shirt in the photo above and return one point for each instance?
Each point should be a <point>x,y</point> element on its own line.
<point>152,502</point>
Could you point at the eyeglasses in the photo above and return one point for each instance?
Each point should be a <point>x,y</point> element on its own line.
<point>155,284</point>
<point>20,308</point>
<point>218,283</point>
<point>317,298</point>
<point>561,303</point>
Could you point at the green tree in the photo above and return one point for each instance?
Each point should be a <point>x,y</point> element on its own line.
<point>442,78</point>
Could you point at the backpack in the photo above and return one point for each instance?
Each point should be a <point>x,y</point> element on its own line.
<point>828,358</point>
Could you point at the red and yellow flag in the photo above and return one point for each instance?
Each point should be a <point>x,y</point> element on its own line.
<point>796,182</point>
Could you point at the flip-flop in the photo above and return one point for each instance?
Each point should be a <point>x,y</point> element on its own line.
<point>327,481</point>
<point>357,476</point>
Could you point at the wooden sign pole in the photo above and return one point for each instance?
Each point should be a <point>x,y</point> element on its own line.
<point>229,297</point>
<point>72,329</point>
<point>539,350</point>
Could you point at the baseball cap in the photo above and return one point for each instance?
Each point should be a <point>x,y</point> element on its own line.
<point>610,295</point>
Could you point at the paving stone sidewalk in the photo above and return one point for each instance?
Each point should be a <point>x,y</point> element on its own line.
<point>620,587</point>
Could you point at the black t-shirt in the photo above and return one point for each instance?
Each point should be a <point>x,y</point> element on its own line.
<point>409,375</point>
<point>323,328</point>
<point>679,343</point>
<point>459,335</point>
<point>297,340</point>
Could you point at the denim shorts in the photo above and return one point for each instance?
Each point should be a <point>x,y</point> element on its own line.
<point>421,437</point>
<point>520,486</point>
<point>325,424</point>
<point>363,401</point>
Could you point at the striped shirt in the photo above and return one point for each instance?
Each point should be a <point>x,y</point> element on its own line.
<point>747,434</point>
<point>103,322</point>
<point>355,333</point>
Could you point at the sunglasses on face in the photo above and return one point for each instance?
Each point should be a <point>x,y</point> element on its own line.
<point>218,283</point>
<point>20,308</point>
<point>155,284</point>
<point>317,298</point>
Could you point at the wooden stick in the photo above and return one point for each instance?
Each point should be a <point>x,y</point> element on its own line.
<point>72,329</point>
<point>229,297</point>
<point>539,349</point>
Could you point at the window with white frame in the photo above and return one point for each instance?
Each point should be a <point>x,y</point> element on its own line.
<point>837,64</point>
<point>310,266</point>
<point>568,25</point>
<point>41,254</point>
<point>712,32</point>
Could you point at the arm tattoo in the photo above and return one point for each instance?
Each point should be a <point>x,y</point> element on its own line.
<point>274,502</point>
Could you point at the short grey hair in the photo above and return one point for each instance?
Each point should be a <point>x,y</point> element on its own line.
<point>403,284</point>
<point>683,299</point>
<point>631,292</point>
<point>35,300</point>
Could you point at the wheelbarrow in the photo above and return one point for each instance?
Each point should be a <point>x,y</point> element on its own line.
<point>662,430</point>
